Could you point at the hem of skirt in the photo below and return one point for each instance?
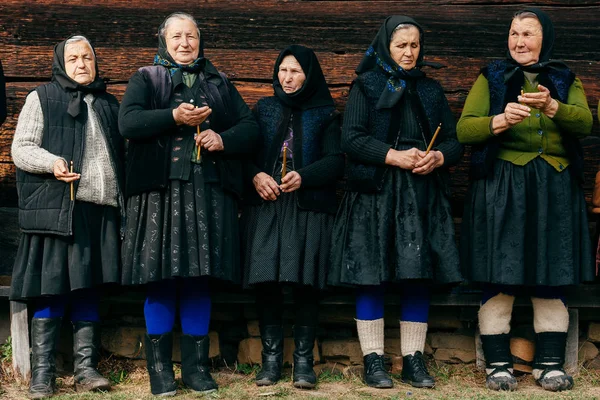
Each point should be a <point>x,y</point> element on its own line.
<point>219,279</point>
<point>251,285</point>
<point>31,296</point>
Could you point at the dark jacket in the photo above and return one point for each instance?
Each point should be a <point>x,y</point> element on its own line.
<point>146,119</point>
<point>368,132</point>
<point>45,204</point>
<point>317,154</point>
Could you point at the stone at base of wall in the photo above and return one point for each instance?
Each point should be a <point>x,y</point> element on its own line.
<point>129,342</point>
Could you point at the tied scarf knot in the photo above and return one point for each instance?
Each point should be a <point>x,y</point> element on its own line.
<point>195,67</point>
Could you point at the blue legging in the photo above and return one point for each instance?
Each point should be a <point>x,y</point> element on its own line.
<point>194,306</point>
<point>543,292</point>
<point>414,298</point>
<point>84,306</point>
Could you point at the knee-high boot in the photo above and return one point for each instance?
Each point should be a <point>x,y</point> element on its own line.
<point>86,342</point>
<point>44,339</point>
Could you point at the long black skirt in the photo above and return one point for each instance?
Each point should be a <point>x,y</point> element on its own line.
<point>189,230</point>
<point>50,265</point>
<point>284,244</point>
<point>526,225</point>
<point>404,232</point>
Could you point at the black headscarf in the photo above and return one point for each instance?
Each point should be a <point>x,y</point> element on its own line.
<point>378,57</point>
<point>314,92</point>
<point>78,91</point>
<point>544,63</point>
<point>164,58</point>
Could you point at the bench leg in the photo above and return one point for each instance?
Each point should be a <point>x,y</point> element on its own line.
<point>19,330</point>
<point>572,350</point>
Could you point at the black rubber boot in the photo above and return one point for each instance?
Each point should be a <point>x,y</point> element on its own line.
<point>375,373</point>
<point>415,372</point>
<point>159,351</point>
<point>86,342</point>
<point>271,337</point>
<point>304,376</point>
<point>44,339</point>
<point>195,364</point>
<point>496,349</point>
<point>550,357</point>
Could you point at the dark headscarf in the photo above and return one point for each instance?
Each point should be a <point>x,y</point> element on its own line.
<point>164,58</point>
<point>78,91</point>
<point>378,57</point>
<point>314,92</point>
<point>544,63</point>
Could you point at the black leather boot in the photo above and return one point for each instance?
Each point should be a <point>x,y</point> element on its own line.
<point>195,364</point>
<point>304,375</point>
<point>271,337</point>
<point>86,343</point>
<point>159,351</point>
<point>44,339</point>
<point>550,358</point>
<point>496,349</point>
<point>415,372</point>
<point>375,373</point>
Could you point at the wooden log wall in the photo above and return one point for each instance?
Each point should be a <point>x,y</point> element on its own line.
<point>243,39</point>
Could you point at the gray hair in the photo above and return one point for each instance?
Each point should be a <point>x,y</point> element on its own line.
<point>525,14</point>
<point>406,26</point>
<point>79,38</point>
<point>174,16</point>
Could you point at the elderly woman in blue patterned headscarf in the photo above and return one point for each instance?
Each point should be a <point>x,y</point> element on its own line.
<point>394,225</point>
<point>188,129</point>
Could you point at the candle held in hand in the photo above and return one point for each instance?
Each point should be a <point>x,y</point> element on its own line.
<point>72,191</point>
<point>284,165</point>
<point>433,138</point>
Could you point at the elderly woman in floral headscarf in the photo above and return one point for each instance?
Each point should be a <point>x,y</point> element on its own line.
<point>525,224</point>
<point>188,130</point>
<point>394,226</point>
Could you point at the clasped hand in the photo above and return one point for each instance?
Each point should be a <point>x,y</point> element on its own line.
<point>268,189</point>
<point>61,171</point>
<point>188,114</point>
<point>418,161</point>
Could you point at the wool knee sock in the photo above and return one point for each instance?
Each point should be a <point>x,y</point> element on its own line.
<point>195,306</point>
<point>549,315</point>
<point>160,305</point>
<point>413,318</point>
<point>494,319</point>
<point>370,335</point>
<point>84,305</point>
<point>50,307</point>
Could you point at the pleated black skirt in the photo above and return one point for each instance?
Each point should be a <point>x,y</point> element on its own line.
<point>285,244</point>
<point>404,232</point>
<point>526,225</point>
<point>50,265</point>
<point>189,230</point>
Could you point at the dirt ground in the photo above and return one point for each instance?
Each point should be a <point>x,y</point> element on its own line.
<point>453,382</point>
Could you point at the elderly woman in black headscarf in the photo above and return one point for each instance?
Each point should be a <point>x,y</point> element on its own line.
<point>394,225</point>
<point>525,224</point>
<point>68,154</point>
<point>188,130</point>
<point>291,206</point>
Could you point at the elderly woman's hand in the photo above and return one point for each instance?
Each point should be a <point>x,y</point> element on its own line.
<point>290,182</point>
<point>512,115</point>
<point>210,140</point>
<point>191,115</point>
<point>428,162</point>
<point>405,159</point>
<point>541,100</point>
<point>266,186</point>
<point>61,171</point>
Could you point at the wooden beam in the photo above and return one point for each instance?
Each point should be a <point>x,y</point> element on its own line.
<point>19,331</point>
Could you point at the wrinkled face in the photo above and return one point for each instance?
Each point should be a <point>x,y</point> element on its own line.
<point>290,75</point>
<point>405,47</point>
<point>525,40</point>
<point>80,63</point>
<point>183,42</point>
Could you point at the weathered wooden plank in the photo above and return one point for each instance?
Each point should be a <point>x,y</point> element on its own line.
<point>465,29</point>
<point>118,63</point>
<point>19,331</point>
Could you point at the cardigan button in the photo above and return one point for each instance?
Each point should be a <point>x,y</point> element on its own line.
<point>540,150</point>
<point>179,139</point>
<point>540,132</point>
<point>538,115</point>
<point>560,167</point>
<point>176,148</point>
<point>175,159</point>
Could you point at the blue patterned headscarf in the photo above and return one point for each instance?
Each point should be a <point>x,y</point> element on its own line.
<point>378,57</point>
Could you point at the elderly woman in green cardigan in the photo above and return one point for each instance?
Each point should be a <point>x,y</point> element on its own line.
<point>525,225</point>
